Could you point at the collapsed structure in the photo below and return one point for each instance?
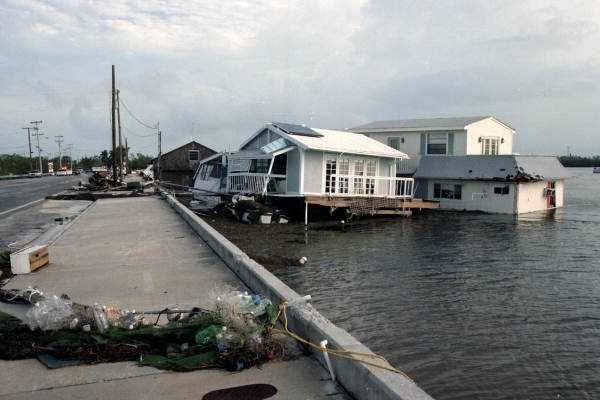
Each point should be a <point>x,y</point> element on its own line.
<point>464,163</point>
<point>508,184</point>
<point>468,163</point>
<point>320,166</point>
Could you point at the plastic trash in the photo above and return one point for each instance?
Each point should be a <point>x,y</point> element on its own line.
<point>209,334</point>
<point>51,313</point>
<point>236,302</point>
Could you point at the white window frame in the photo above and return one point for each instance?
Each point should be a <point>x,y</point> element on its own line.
<point>490,141</point>
<point>351,170</point>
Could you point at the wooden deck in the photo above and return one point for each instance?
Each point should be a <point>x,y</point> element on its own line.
<point>345,202</point>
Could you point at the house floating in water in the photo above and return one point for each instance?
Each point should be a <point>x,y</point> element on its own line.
<point>338,169</point>
<point>441,137</point>
<point>467,163</point>
<point>509,184</point>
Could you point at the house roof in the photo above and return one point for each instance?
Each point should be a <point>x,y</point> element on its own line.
<point>423,124</point>
<point>338,142</point>
<point>501,168</point>
<point>178,148</point>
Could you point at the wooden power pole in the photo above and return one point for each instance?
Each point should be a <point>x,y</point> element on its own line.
<point>114,128</point>
<point>120,142</point>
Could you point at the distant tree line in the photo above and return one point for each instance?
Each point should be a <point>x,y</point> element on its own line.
<point>579,161</point>
<point>15,164</point>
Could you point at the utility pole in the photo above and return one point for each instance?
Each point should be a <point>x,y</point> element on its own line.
<point>37,135</point>
<point>120,143</point>
<point>114,128</point>
<point>30,153</point>
<point>59,140</point>
<point>69,148</point>
<point>157,177</point>
<point>126,154</point>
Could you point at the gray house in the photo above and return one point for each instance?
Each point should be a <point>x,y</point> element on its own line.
<point>291,160</point>
<point>508,184</point>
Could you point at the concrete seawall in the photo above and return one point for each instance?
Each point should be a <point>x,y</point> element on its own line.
<point>360,380</point>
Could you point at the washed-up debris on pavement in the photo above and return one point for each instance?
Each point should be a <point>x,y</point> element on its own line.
<point>235,335</point>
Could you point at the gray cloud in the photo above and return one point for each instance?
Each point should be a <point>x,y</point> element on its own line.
<point>216,71</point>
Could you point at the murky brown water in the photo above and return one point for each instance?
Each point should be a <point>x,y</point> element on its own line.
<point>472,305</point>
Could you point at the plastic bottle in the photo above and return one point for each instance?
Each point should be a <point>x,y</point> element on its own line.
<point>209,334</point>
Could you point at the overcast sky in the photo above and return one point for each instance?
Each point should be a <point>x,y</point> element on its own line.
<point>215,71</point>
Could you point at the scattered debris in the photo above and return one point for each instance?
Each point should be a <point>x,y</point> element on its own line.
<point>5,269</point>
<point>235,335</point>
<point>248,210</point>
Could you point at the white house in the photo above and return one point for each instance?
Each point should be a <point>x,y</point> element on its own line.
<point>441,137</point>
<point>291,160</point>
<point>507,184</point>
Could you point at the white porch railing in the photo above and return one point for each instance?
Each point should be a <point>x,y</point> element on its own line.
<point>407,166</point>
<point>247,182</point>
<point>369,186</point>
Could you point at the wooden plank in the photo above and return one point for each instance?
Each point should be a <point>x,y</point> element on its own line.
<point>29,259</point>
<point>37,254</point>
<point>406,213</point>
<point>39,263</point>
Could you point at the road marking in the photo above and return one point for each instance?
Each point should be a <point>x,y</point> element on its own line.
<point>22,206</point>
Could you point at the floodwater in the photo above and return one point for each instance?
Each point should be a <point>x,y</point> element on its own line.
<point>473,306</point>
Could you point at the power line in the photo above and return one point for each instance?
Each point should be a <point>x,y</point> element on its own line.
<point>134,117</point>
<point>137,134</point>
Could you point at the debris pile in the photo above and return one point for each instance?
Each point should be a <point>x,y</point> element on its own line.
<point>5,269</point>
<point>237,334</point>
<point>248,210</point>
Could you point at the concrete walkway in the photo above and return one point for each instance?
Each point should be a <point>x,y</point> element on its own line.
<point>138,253</point>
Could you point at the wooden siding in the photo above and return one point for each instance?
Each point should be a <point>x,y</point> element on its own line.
<point>175,165</point>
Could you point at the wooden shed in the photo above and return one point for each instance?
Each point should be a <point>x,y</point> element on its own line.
<point>178,165</point>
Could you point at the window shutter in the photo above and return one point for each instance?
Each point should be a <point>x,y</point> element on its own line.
<point>423,144</point>
<point>451,143</point>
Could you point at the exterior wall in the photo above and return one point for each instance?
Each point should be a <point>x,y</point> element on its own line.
<point>486,128</point>
<point>262,139</point>
<point>531,196</point>
<point>412,141</point>
<point>476,196</point>
<point>293,171</point>
<point>560,193</point>
<point>175,165</point>
<point>385,166</point>
<point>313,172</point>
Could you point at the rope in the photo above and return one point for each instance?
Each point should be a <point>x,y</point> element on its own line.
<point>338,353</point>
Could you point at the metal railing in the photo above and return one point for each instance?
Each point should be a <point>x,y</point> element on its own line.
<point>246,182</point>
<point>369,186</point>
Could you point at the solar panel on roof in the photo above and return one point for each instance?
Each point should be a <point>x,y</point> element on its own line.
<point>295,129</point>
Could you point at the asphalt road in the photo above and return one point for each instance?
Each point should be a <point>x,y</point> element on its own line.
<point>19,192</point>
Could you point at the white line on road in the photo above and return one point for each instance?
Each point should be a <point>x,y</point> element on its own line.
<point>22,206</point>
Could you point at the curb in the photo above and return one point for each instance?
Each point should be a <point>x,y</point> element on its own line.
<point>50,236</point>
<point>360,380</point>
